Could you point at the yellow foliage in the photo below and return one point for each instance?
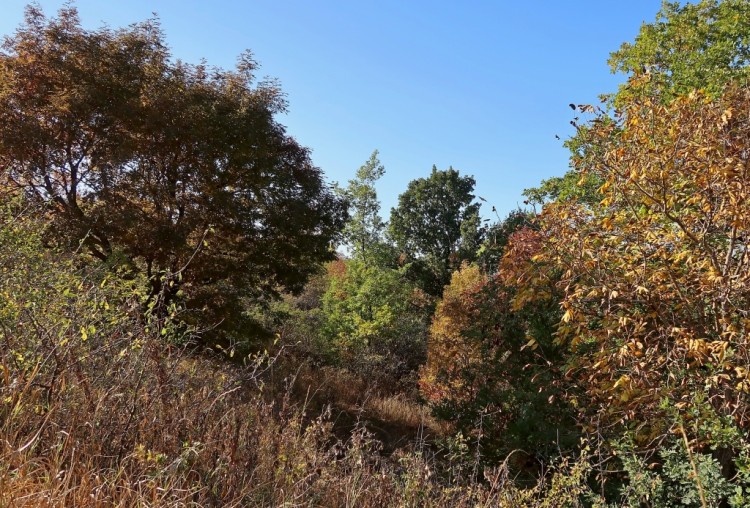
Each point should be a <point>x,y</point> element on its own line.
<point>656,278</point>
<point>449,353</point>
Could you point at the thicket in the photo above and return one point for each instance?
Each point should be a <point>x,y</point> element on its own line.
<point>591,352</point>
<point>103,406</point>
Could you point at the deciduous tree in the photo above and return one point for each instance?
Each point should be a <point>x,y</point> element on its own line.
<point>702,45</point>
<point>492,366</point>
<point>436,224</point>
<point>364,233</point>
<point>690,46</point>
<point>374,320</point>
<point>179,170</point>
<point>656,281</point>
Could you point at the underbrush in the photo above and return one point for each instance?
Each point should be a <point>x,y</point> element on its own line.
<point>100,406</point>
<point>199,434</point>
<point>104,404</point>
<point>165,428</point>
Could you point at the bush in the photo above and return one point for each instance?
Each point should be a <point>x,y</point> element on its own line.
<point>373,320</point>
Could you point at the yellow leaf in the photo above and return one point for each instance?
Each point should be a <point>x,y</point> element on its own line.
<point>622,380</point>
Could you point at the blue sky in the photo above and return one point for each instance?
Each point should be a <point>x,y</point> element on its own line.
<point>483,86</point>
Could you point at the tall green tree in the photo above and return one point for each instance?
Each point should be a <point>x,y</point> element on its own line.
<point>180,170</point>
<point>436,225</point>
<point>365,230</point>
<point>689,46</point>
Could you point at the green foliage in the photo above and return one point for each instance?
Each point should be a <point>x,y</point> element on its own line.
<point>364,233</point>
<point>669,479</point>
<point>689,46</point>
<point>374,320</point>
<point>571,186</point>
<point>57,313</point>
<point>179,172</point>
<point>48,299</point>
<point>436,225</point>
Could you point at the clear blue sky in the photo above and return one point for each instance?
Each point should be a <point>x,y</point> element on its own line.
<point>483,86</point>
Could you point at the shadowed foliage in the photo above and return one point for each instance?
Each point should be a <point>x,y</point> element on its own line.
<point>177,171</point>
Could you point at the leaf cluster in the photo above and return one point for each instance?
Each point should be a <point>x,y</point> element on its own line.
<point>180,171</point>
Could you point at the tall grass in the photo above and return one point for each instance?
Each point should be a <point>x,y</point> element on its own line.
<point>102,407</point>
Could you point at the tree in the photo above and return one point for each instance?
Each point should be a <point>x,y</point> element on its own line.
<point>655,281</point>
<point>688,47</point>
<point>493,366</point>
<point>364,232</point>
<point>646,237</point>
<point>374,320</point>
<point>644,160</point>
<point>702,45</point>
<point>451,354</point>
<point>436,225</point>
<point>179,171</point>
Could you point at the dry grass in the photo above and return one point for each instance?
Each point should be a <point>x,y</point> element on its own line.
<point>168,429</point>
<point>96,409</point>
<point>399,416</point>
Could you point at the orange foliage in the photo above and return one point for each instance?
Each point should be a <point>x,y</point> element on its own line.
<point>656,279</point>
<point>449,352</point>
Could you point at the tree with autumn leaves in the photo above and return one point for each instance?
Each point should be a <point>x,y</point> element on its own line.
<point>656,278</point>
<point>653,283</point>
<point>655,274</point>
<point>176,171</point>
<point>492,366</point>
<point>643,248</point>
